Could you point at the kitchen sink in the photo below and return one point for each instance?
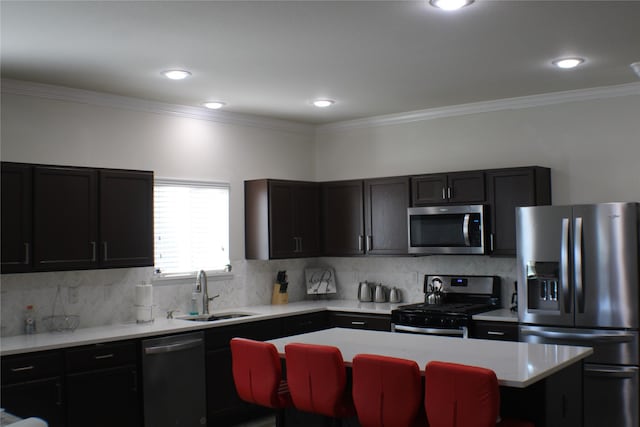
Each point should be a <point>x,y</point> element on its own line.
<point>212,317</point>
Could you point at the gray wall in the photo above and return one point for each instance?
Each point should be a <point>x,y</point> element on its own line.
<point>593,149</point>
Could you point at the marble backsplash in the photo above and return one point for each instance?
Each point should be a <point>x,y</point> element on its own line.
<point>103,297</point>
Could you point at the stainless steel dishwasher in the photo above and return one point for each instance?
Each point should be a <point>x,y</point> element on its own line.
<point>173,376</point>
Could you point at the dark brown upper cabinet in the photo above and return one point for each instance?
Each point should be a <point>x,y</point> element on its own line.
<point>126,218</point>
<point>459,187</point>
<point>385,202</point>
<point>366,217</point>
<point>71,218</point>
<point>343,218</point>
<point>506,190</point>
<point>282,219</point>
<point>65,223</point>
<point>16,219</point>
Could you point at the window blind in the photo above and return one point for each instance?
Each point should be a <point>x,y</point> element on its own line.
<point>191,226</point>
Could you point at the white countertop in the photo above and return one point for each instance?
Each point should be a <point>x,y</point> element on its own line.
<point>55,340</point>
<point>515,364</point>
<point>501,315</point>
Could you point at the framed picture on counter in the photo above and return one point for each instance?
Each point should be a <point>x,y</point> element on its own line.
<point>320,281</point>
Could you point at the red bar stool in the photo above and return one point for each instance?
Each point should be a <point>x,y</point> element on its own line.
<point>460,395</point>
<point>387,391</point>
<point>257,374</point>
<point>318,381</point>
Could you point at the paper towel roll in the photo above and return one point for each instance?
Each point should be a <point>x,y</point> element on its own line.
<point>144,314</point>
<point>144,295</point>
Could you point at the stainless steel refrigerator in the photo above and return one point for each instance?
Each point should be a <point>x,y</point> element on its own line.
<point>578,285</point>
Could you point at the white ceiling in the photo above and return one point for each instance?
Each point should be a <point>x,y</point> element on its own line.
<point>272,58</point>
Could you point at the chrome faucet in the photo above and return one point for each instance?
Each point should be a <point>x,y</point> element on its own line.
<point>201,283</point>
<point>201,280</point>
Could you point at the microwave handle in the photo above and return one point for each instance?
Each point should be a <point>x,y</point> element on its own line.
<point>465,229</point>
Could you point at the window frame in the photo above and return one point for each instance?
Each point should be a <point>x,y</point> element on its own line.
<point>221,274</point>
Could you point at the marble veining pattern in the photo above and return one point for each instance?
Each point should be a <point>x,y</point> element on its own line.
<point>105,297</point>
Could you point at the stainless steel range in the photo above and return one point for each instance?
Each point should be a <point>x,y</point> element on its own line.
<point>450,301</point>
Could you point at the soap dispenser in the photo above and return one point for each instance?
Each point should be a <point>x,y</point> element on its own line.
<point>194,303</point>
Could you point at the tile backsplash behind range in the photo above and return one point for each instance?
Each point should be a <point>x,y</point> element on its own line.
<point>104,297</point>
<point>407,273</point>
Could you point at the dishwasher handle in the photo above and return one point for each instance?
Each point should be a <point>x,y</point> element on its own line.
<point>179,346</point>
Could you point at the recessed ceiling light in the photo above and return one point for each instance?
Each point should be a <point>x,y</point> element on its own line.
<point>567,63</point>
<point>323,103</point>
<point>214,105</point>
<point>450,4</point>
<point>176,74</point>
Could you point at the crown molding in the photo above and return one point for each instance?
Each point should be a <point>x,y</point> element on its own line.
<point>484,107</point>
<point>61,93</point>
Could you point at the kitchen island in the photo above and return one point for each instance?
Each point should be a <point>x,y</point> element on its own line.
<point>539,382</point>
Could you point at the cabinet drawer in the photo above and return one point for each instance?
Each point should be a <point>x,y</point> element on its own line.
<point>101,356</point>
<point>29,367</point>
<point>359,321</point>
<point>263,330</point>
<point>495,331</point>
<point>303,323</point>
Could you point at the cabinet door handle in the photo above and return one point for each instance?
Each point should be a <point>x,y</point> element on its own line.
<point>498,333</point>
<point>360,237</point>
<point>358,323</point>
<point>299,244</point>
<point>103,356</point>
<point>59,392</point>
<point>491,241</point>
<point>93,249</point>
<point>104,244</point>
<point>22,369</point>
<point>449,192</point>
<point>134,374</point>
<point>369,242</point>
<point>444,194</point>
<point>26,253</point>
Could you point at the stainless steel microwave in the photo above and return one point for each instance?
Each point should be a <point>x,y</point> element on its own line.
<point>447,229</point>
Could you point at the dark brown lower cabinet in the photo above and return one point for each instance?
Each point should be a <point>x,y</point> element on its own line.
<point>303,323</point>
<point>486,330</point>
<point>371,322</point>
<point>40,398</point>
<point>103,398</point>
<point>103,386</point>
<point>224,407</point>
<point>33,386</point>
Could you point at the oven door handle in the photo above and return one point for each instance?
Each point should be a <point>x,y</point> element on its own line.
<point>430,331</point>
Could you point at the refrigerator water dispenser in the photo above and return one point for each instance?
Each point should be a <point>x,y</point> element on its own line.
<point>542,285</point>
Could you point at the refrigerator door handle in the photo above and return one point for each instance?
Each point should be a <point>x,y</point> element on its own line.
<point>577,264</point>
<point>564,265</point>
<point>578,336</point>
